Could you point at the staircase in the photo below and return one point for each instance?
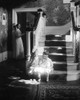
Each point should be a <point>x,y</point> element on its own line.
<point>61,53</point>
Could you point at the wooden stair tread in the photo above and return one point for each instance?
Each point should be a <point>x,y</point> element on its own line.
<point>57,41</point>
<point>61,54</point>
<point>68,63</point>
<point>57,47</point>
<point>64,72</point>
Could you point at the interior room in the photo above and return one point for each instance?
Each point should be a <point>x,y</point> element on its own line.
<point>39,49</point>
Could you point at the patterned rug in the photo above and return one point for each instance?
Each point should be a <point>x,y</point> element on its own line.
<point>55,91</point>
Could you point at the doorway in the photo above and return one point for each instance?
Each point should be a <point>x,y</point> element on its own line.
<point>27,20</point>
<point>26,17</point>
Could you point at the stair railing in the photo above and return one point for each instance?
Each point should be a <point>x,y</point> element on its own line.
<point>75,29</point>
<point>77,5</point>
<point>75,37</point>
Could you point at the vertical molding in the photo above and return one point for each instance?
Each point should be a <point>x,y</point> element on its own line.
<point>73,9</point>
<point>28,47</point>
<point>78,19</point>
<point>9,43</point>
<point>79,46</point>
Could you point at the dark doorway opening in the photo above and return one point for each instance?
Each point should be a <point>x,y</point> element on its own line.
<point>27,19</point>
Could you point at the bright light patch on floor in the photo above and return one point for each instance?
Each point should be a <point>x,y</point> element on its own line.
<point>29,81</point>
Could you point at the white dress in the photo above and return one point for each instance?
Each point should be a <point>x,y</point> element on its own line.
<point>39,31</point>
<point>19,45</point>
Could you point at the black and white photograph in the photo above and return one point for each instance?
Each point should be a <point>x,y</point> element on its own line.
<point>39,49</point>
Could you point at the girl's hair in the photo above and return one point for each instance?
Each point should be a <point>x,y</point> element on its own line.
<point>17,25</point>
<point>13,26</point>
<point>44,14</point>
<point>39,10</point>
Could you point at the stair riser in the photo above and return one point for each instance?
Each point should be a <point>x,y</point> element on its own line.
<point>58,43</point>
<point>63,50</point>
<point>57,77</point>
<point>53,37</point>
<point>60,67</point>
<point>64,67</point>
<point>61,58</point>
<point>55,44</point>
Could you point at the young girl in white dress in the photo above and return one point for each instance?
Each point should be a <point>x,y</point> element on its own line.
<point>19,43</point>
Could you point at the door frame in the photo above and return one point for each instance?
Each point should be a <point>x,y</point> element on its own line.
<point>16,10</point>
<point>14,20</point>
